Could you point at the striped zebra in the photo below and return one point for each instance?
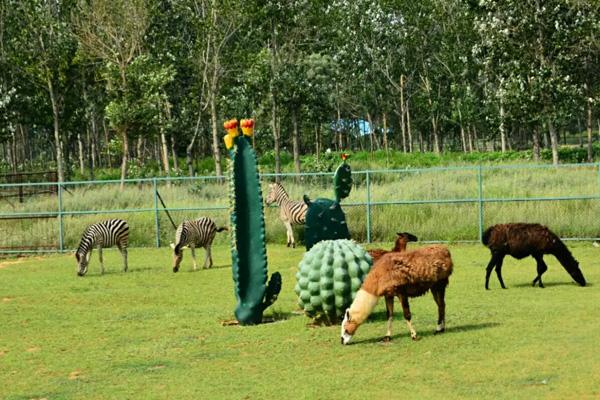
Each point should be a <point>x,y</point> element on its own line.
<point>290,212</point>
<point>102,235</point>
<point>196,233</point>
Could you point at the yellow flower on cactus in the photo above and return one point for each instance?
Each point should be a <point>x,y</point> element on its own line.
<point>228,141</point>
<point>231,127</point>
<point>247,126</point>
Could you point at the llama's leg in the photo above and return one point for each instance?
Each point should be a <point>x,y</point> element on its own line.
<point>192,248</point>
<point>490,267</point>
<point>101,260</point>
<point>438,295</point>
<point>407,316</point>
<point>499,270</point>
<point>389,306</point>
<point>541,268</point>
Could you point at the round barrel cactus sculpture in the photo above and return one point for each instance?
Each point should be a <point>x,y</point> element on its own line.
<point>329,276</point>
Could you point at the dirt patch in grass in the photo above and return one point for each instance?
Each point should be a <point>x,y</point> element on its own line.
<point>19,260</point>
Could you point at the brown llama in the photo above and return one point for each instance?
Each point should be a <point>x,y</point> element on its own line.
<point>407,274</point>
<point>521,240</point>
<point>400,245</point>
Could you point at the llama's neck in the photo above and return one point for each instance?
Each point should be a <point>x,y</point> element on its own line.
<point>564,256</point>
<point>362,306</point>
<point>400,245</point>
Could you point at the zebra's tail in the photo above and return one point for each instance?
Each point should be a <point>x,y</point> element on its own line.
<point>223,228</point>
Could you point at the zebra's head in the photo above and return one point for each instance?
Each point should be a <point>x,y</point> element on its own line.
<point>82,263</point>
<point>272,196</point>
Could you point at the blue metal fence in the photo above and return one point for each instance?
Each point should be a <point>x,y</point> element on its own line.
<point>480,200</point>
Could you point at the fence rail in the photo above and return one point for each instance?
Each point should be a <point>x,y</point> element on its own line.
<point>478,185</point>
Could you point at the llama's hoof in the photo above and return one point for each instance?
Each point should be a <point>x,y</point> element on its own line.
<point>294,245</point>
<point>386,339</point>
<point>439,331</point>
<point>415,338</point>
<point>175,269</point>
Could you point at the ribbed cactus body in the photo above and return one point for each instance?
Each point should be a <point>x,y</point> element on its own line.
<point>342,181</point>
<point>329,276</point>
<point>248,252</point>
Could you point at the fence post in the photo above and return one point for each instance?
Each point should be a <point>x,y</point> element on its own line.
<point>368,207</point>
<point>480,182</point>
<point>61,239</point>
<point>156,220</point>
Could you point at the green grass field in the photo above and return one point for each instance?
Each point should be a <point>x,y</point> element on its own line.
<point>152,334</point>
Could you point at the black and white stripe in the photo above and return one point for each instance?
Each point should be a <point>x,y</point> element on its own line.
<point>196,233</point>
<point>290,212</point>
<point>102,235</point>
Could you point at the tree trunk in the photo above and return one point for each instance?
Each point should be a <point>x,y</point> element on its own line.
<point>106,143</point>
<point>140,150</point>
<point>370,132</point>
<point>93,146</point>
<point>275,129</point>
<point>80,147</point>
<point>536,144</point>
<point>553,141</point>
<point>57,139</point>
<point>125,156</point>
<point>215,135</point>
<point>174,154</point>
<point>408,130</point>
<point>295,142</point>
<point>164,150</point>
<point>385,137</point>
<point>590,150</point>
<point>436,139</point>
<point>421,141</point>
<point>190,147</point>
<point>501,128</point>
<point>402,113</point>
<point>90,150</point>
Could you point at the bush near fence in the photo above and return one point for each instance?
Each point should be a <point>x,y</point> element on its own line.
<point>436,204</point>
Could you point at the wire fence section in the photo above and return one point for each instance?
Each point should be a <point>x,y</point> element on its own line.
<point>445,204</point>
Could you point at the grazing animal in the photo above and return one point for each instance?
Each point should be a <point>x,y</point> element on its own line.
<point>102,235</point>
<point>195,233</point>
<point>400,245</point>
<point>407,274</point>
<point>290,212</point>
<point>521,240</point>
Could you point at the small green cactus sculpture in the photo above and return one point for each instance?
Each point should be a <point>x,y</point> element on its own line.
<point>248,253</point>
<point>329,276</point>
<point>325,219</point>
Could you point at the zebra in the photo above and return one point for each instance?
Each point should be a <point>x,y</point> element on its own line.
<point>102,234</point>
<point>195,233</point>
<point>290,212</point>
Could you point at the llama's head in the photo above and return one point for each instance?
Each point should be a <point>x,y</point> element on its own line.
<point>348,328</point>
<point>83,261</point>
<point>573,270</point>
<point>402,239</point>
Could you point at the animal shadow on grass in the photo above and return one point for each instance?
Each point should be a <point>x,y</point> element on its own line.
<point>276,316</point>
<point>422,332</point>
<point>200,269</point>
<point>550,284</point>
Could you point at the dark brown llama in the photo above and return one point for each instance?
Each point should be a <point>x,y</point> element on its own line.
<point>521,240</point>
<point>407,274</point>
<point>400,245</point>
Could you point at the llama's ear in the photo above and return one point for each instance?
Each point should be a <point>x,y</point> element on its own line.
<point>347,315</point>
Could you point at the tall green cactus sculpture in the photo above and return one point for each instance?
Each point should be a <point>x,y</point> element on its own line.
<point>325,219</point>
<point>248,253</point>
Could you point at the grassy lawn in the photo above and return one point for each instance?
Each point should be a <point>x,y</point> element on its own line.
<point>152,334</point>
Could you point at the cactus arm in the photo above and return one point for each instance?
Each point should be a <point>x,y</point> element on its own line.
<point>342,181</point>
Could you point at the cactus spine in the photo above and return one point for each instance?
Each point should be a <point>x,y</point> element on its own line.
<point>248,252</point>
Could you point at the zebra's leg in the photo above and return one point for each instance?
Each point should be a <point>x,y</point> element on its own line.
<point>101,260</point>
<point>193,249</point>
<point>123,250</point>
<point>290,234</point>
<point>208,259</point>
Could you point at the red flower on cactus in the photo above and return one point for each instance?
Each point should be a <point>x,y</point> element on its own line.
<point>344,156</point>
<point>247,123</point>
<point>231,124</point>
